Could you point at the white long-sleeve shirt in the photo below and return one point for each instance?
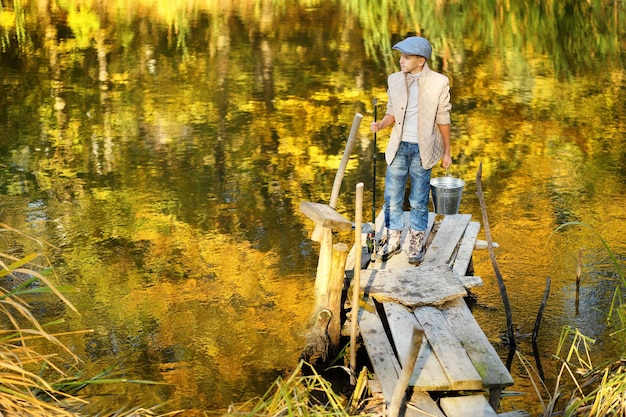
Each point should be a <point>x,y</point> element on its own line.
<point>409,132</point>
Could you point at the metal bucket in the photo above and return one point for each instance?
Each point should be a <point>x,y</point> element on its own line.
<point>447,192</point>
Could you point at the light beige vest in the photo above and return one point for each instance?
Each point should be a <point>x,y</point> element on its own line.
<point>433,109</point>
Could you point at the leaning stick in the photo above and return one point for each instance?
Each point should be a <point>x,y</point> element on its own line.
<point>344,160</point>
<point>334,196</point>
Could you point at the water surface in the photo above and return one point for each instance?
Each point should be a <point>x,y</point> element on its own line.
<point>165,149</point>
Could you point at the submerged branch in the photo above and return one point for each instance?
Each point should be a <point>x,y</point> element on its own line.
<point>546,293</point>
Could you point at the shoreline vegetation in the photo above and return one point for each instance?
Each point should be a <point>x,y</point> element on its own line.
<point>41,375</point>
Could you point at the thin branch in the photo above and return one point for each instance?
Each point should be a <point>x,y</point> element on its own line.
<point>503,293</point>
<point>546,293</point>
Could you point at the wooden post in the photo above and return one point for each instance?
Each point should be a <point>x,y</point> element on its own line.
<point>335,289</point>
<point>331,263</point>
<point>356,281</point>
<point>324,264</point>
<point>330,269</point>
<point>318,341</point>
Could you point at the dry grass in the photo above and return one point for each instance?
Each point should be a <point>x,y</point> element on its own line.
<point>310,395</point>
<point>34,362</point>
<point>24,387</point>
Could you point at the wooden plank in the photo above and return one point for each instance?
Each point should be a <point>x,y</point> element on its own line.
<point>428,375</point>
<point>379,350</point>
<point>471,281</point>
<point>374,386</point>
<point>482,244</point>
<point>449,350</point>
<point>448,235</point>
<point>466,248</point>
<point>483,355</point>
<point>413,286</point>
<point>420,404</point>
<point>324,215</point>
<point>468,405</point>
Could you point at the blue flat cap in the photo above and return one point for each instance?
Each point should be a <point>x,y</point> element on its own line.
<point>415,45</point>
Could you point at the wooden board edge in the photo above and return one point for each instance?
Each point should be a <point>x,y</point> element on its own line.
<point>478,347</point>
<point>379,350</point>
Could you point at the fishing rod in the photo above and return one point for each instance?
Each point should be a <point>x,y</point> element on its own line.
<point>371,236</point>
<point>374,169</point>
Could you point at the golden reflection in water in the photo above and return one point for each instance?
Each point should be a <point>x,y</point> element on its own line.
<point>167,148</point>
<point>216,335</point>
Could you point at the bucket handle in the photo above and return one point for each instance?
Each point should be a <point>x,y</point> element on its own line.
<point>447,175</point>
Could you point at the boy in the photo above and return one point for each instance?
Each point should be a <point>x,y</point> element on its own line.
<point>419,111</point>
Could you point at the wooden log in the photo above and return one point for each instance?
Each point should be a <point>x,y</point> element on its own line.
<point>317,341</point>
<point>324,265</point>
<point>335,290</point>
<point>325,334</point>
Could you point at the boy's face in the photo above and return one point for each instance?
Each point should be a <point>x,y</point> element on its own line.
<point>412,63</point>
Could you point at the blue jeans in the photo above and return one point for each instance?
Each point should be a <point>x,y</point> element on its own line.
<point>407,164</point>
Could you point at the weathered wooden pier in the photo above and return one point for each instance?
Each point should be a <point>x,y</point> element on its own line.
<point>420,335</point>
<point>429,355</point>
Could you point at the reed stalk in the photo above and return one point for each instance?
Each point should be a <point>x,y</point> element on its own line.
<point>36,367</point>
<point>594,391</point>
